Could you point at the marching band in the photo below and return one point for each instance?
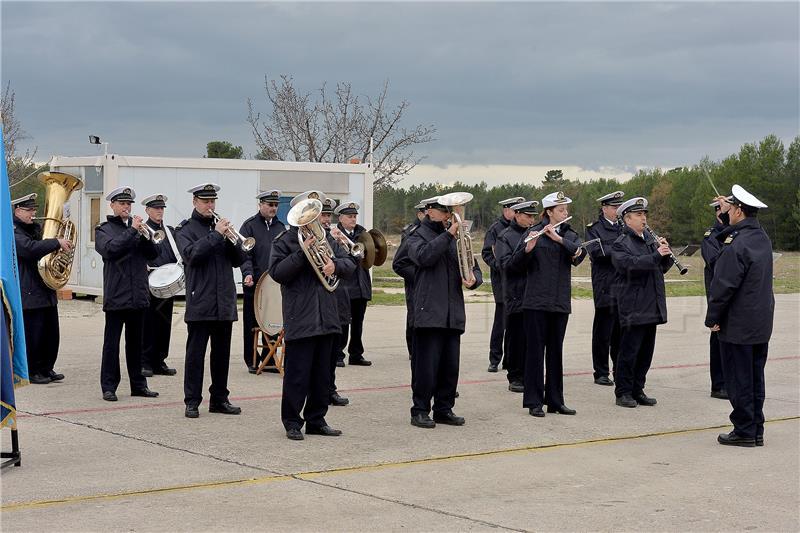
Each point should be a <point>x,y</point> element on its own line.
<point>323,272</point>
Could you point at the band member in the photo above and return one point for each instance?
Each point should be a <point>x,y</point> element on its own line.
<point>605,328</point>
<point>342,296</point>
<point>439,317</point>
<point>158,317</point>
<point>311,326</point>
<point>210,256</point>
<point>741,310</point>
<point>514,278</point>
<point>39,302</point>
<point>710,249</point>
<point>546,304</point>
<point>263,226</point>
<point>359,287</point>
<point>126,294</point>
<point>498,326</point>
<point>404,267</point>
<point>640,264</point>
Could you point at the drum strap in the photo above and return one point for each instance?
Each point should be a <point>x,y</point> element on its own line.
<point>173,245</point>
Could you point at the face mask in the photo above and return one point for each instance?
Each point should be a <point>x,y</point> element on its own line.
<point>725,218</point>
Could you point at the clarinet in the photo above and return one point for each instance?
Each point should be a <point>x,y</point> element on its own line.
<point>682,269</point>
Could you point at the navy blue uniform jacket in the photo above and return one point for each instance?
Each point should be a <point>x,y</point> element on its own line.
<point>602,269</point>
<point>209,260</point>
<point>30,248</point>
<point>309,309</point>
<point>515,276</point>
<point>549,269</point>
<point>438,295</point>
<point>741,299</point>
<point>489,257</point>
<point>639,280</point>
<point>125,254</point>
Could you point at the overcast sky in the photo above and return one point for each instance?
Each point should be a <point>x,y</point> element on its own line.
<point>598,89</point>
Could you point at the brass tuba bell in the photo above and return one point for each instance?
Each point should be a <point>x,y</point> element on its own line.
<point>305,217</point>
<point>56,267</point>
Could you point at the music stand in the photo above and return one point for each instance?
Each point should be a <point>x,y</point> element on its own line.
<point>261,339</point>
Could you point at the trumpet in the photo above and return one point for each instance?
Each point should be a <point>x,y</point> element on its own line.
<point>356,249</point>
<point>537,234</point>
<point>236,238</point>
<point>682,269</point>
<point>155,235</point>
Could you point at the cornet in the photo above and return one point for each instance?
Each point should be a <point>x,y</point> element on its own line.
<point>155,235</point>
<point>356,249</point>
<point>236,238</point>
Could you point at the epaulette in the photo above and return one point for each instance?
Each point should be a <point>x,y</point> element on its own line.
<point>407,227</point>
<point>101,224</point>
<point>730,237</point>
<point>249,219</point>
<point>281,234</point>
<point>708,232</point>
<point>414,227</point>
<point>590,224</point>
<point>179,226</point>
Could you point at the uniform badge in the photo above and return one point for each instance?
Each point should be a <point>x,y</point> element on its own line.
<point>706,234</point>
<point>352,205</point>
<point>313,195</point>
<point>729,239</point>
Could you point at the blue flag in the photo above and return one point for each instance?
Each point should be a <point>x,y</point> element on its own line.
<point>14,364</point>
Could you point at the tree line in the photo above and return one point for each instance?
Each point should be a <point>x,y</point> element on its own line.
<point>678,197</point>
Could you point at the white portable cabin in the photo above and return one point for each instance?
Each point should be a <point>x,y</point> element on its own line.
<point>240,180</point>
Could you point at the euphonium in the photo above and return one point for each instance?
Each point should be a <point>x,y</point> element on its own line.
<point>466,259</point>
<point>55,268</point>
<point>305,217</point>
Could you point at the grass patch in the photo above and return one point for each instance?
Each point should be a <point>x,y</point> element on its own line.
<point>381,298</point>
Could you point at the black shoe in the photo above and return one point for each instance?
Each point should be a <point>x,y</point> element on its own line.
<point>449,418</point>
<point>109,396</point>
<point>225,408</point>
<point>603,380</point>
<point>457,394</point>
<point>561,409</point>
<point>626,400</point>
<point>145,392</point>
<point>644,399</point>
<point>720,394</point>
<point>423,421</point>
<point>536,411</point>
<point>252,369</point>
<point>39,379</point>
<point>492,368</point>
<point>340,364</point>
<point>732,439</point>
<point>191,412</point>
<point>146,372</point>
<point>337,400</point>
<point>515,386</point>
<point>55,376</point>
<point>294,434</point>
<point>759,440</point>
<point>164,370</point>
<point>327,431</point>
<point>358,361</point>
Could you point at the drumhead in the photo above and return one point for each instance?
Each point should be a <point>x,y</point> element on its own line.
<point>165,275</point>
<point>268,305</point>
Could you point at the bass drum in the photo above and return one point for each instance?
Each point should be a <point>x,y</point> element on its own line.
<point>268,305</point>
<point>166,281</point>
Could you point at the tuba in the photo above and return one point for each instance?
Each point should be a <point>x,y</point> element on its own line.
<point>56,267</point>
<point>305,217</point>
<point>466,259</point>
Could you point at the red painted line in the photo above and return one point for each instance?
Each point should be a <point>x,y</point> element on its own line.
<point>276,396</point>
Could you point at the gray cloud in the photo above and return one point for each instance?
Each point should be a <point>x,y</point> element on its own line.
<point>588,84</point>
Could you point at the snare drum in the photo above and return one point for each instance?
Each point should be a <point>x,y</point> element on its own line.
<point>166,281</point>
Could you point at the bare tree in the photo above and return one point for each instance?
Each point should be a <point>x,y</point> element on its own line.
<point>18,164</point>
<point>336,128</point>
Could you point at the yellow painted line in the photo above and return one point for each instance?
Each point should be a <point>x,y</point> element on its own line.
<point>364,468</point>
